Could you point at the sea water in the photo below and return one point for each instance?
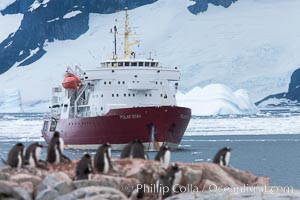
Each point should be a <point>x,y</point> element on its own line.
<point>267,144</point>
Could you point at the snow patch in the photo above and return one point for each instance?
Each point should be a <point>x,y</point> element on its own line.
<point>37,3</point>
<point>52,20</point>
<point>5,3</point>
<point>217,99</point>
<point>71,14</point>
<point>277,102</point>
<point>9,24</point>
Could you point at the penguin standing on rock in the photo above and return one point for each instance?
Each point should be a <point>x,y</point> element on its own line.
<point>172,178</point>
<point>56,149</point>
<point>33,156</point>
<point>84,168</point>
<point>164,156</point>
<point>222,158</point>
<point>15,156</point>
<point>102,162</point>
<point>134,149</point>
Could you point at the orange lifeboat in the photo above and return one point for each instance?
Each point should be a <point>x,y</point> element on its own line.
<point>71,81</point>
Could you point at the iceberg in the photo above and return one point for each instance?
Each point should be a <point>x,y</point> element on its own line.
<point>10,101</point>
<point>217,99</point>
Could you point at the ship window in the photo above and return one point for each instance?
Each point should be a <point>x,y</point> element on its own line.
<point>119,82</point>
<point>108,64</point>
<point>109,82</point>
<point>133,94</point>
<point>152,64</point>
<point>117,95</point>
<point>101,108</point>
<point>101,95</point>
<point>147,64</point>
<point>150,95</point>
<point>120,64</point>
<point>112,95</point>
<point>156,64</point>
<point>129,94</point>
<point>146,95</point>
<point>104,82</point>
<point>161,83</point>
<point>156,82</point>
<point>134,64</point>
<point>161,95</point>
<point>123,82</point>
<point>126,64</point>
<point>114,64</point>
<point>133,81</point>
<point>124,94</point>
<point>141,64</point>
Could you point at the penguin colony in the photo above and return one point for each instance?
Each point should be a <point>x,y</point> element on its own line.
<point>18,157</point>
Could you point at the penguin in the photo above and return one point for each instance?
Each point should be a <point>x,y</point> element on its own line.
<point>102,162</point>
<point>172,178</point>
<point>164,156</point>
<point>222,157</point>
<point>136,194</point>
<point>32,156</point>
<point>84,168</point>
<point>55,149</point>
<point>15,156</point>
<point>134,149</point>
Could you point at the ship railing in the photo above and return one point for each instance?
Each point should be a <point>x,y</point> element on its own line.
<point>78,71</point>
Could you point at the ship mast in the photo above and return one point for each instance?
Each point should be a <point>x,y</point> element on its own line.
<point>127,44</point>
<point>126,36</point>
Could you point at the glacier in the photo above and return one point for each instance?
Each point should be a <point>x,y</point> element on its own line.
<point>248,45</point>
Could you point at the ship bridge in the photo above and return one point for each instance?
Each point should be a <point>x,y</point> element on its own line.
<point>130,63</point>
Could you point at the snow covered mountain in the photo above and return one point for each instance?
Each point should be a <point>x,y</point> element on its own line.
<point>245,44</point>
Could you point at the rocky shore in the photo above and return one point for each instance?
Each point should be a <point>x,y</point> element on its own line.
<point>199,181</point>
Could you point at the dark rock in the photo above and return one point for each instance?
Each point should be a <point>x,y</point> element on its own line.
<point>94,192</point>
<point>47,194</point>
<point>59,181</point>
<point>19,178</point>
<point>292,97</point>
<point>202,5</point>
<point>4,176</point>
<point>87,183</point>
<point>10,189</point>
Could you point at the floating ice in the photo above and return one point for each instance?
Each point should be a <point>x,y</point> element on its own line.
<point>217,99</point>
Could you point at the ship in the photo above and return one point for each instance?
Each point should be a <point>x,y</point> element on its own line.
<point>121,100</point>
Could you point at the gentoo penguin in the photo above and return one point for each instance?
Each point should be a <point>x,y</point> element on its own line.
<point>56,149</point>
<point>32,156</point>
<point>102,161</point>
<point>164,156</point>
<point>172,178</point>
<point>136,194</point>
<point>15,156</point>
<point>134,149</point>
<point>84,168</point>
<point>223,157</point>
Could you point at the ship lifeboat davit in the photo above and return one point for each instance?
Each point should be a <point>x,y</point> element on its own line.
<point>71,81</point>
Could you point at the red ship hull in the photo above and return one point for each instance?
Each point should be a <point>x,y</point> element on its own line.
<point>152,125</point>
